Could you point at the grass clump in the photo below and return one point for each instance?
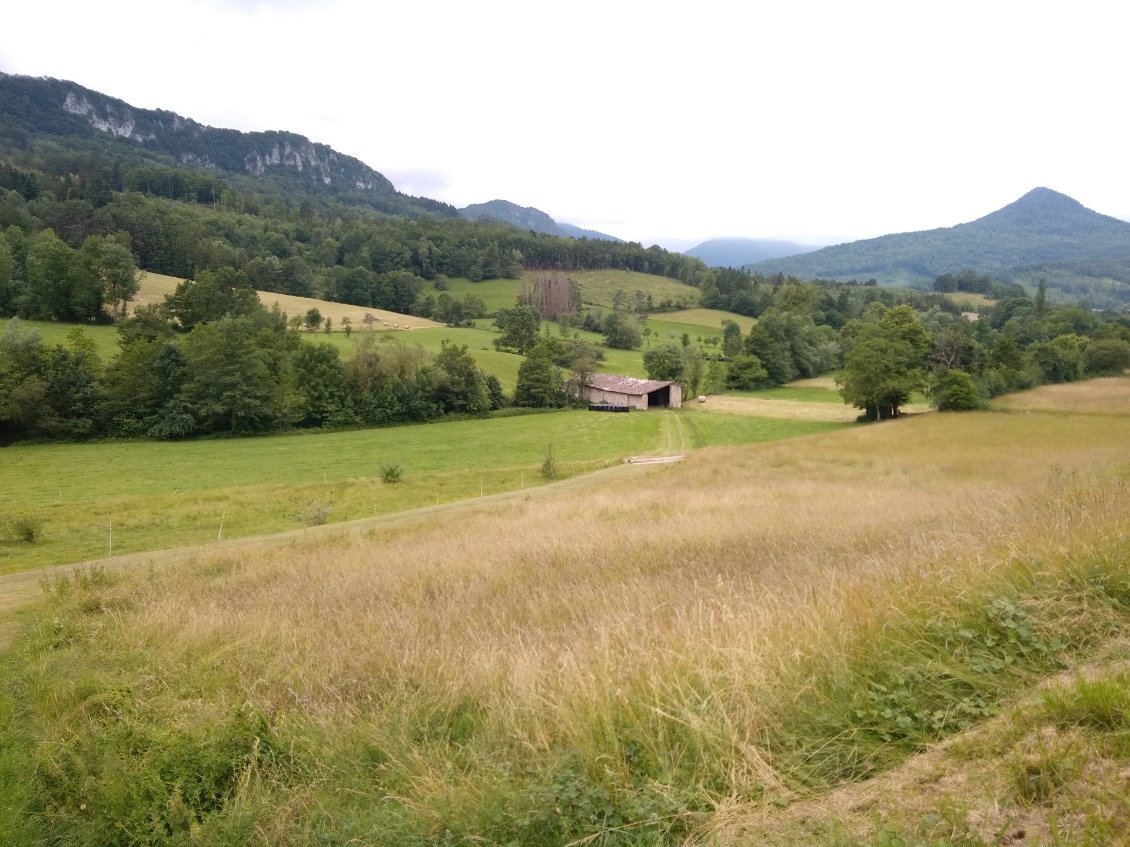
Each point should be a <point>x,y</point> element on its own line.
<point>1040,773</point>
<point>1102,704</point>
<point>392,473</point>
<point>23,526</point>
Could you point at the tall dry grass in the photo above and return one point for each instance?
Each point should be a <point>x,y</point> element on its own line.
<point>654,632</point>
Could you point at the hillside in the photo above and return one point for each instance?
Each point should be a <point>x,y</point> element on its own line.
<point>636,657</point>
<point>738,252</point>
<point>35,109</point>
<point>270,211</point>
<point>528,218</point>
<point>1042,231</point>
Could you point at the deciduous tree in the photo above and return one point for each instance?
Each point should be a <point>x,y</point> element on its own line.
<point>539,381</point>
<point>886,363</point>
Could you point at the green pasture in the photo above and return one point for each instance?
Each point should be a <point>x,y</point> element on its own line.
<point>703,319</point>
<point>495,293</point>
<point>104,336</point>
<point>598,288</point>
<point>798,393</point>
<point>154,495</point>
<point>970,299</point>
<point>703,428</point>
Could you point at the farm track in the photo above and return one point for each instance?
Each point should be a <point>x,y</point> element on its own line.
<point>676,442</point>
<point>18,590</point>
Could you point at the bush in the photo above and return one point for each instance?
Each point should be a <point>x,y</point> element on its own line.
<point>955,391</point>
<point>392,473</point>
<point>549,465</point>
<point>1106,357</point>
<point>23,527</point>
<point>315,513</point>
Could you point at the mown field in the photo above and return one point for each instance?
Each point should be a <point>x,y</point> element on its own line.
<point>905,633</point>
<point>151,495</point>
<point>155,287</point>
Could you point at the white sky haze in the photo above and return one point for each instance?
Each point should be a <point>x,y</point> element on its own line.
<point>657,122</point>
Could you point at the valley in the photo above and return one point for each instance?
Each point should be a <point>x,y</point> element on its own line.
<point>308,536</point>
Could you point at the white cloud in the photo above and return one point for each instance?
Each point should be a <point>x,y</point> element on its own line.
<point>669,122</point>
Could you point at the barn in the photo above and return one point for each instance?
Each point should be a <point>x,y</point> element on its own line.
<point>626,391</point>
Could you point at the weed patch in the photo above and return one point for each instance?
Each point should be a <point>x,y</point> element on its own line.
<point>931,674</point>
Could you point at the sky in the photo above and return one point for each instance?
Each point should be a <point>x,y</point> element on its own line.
<point>816,121</point>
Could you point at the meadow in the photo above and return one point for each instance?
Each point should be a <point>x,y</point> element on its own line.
<point>155,287</point>
<point>142,495</point>
<point>764,644</point>
<point>103,336</point>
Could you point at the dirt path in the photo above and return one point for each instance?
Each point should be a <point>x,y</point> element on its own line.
<point>19,590</point>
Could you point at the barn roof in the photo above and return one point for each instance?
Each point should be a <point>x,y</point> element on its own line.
<point>625,384</point>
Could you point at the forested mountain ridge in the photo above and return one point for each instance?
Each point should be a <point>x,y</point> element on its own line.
<point>290,216</point>
<point>528,218</point>
<point>1042,234</point>
<point>32,109</point>
<point>36,108</point>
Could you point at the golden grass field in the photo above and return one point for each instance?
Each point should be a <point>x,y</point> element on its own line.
<point>155,287</point>
<point>643,633</point>
<point>787,409</point>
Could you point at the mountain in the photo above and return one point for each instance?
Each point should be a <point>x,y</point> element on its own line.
<point>528,218</point>
<point>522,217</point>
<point>36,109</point>
<point>578,232</point>
<point>1044,234</point>
<point>737,252</point>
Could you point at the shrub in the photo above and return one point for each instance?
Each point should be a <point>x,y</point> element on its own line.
<point>23,527</point>
<point>1106,357</point>
<point>315,513</point>
<point>549,464</point>
<point>392,473</point>
<point>955,391</point>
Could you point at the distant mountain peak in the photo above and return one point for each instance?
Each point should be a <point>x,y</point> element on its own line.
<point>1047,213</point>
<point>528,218</point>
<point>503,211</point>
<point>1043,233</point>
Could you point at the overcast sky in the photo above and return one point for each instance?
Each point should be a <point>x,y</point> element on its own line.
<point>659,122</point>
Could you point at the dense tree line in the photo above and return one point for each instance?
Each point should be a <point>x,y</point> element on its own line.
<point>892,345</point>
<point>239,372</point>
